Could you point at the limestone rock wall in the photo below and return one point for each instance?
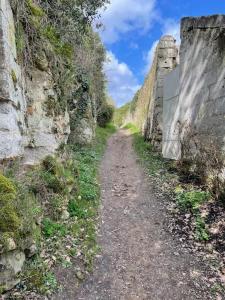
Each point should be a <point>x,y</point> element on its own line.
<point>12,99</point>
<point>46,129</point>
<point>28,128</point>
<point>195,120</point>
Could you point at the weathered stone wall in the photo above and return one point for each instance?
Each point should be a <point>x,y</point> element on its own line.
<point>139,114</point>
<point>171,139</point>
<point>27,127</point>
<point>198,117</point>
<point>12,100</point>
<point>146,111</point>
<point>46,129</point>
<point>166,60</point>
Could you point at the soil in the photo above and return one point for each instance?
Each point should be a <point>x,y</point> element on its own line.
<point>139,258</point>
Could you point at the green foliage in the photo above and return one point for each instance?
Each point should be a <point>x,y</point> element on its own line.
<point>53,183</point>
<point>105,114</point>
<point>63,31</point>
<point>132,128</point>
<point>9,219</point>
<point>75,168</point>
<point>80,209</point>
<point>51,228</point>
<point>20,40</point>
<point>61,48</point>
<point>150,159</point>
<point>120,114</point>
<point>37,277</point>
<point>191,199</point>
<point>201,232</point>
<point>35,9</point>
<point>18,212</point>
<point>6,186</point>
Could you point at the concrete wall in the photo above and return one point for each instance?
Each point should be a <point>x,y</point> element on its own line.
<point>166,60</point>
<point>147,106</point>
<point>171,147</point>
<point>202,82</point>
<point>196,121</point>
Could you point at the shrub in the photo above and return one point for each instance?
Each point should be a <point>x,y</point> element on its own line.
<point>105,115</point>
<point>76,210</point>
<point>50,228</point>
<point>120,114</point>
<point>6,186</point>
<point>191,199</point>
<point>9,219</point>
<point>201,232</point>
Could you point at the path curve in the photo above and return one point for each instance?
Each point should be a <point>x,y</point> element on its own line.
<point>139,258</point>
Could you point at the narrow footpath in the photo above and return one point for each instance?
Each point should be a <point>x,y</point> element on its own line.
<point>139,259</point>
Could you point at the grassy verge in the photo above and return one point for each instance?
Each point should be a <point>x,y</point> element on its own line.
<point>188,198</point>
<point>67,194</point>
<point>195,214</point>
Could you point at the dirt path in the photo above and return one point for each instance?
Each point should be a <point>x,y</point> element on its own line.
<point>139,259</point>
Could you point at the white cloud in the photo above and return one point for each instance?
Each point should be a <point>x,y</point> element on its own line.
<point>122,84</point>
<point>123,16</point>
<point>172,27</point>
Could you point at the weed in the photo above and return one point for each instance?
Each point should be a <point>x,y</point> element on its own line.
<point>35,9</point>
<point>152,161</point>
<point>51,228</point>
<point>201,233</point>
<point>72,176</point>
<point>217,288</point>
<point>78,209</point>
<point>132,128</point>
<point>37,276</point>
<point>191,199</point>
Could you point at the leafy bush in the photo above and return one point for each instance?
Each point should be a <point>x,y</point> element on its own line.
<point>201,232</point>
<point>105,115</point>
<point>191,199</point>
<point>120,114</point>
<point>51,228</point>
<point>132,128</point>
<point>6,186</point>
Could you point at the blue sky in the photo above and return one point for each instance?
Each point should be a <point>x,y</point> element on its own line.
<point>131,31</point>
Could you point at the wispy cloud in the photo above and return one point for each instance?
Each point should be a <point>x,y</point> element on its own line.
<point>122,84</point>
<point>171,27</point>
<point>124,16</point>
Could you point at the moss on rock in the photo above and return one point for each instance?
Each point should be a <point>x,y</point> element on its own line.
<point>9,219</point>
<point>6,186</point>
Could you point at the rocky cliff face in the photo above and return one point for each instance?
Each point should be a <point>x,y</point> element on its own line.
<point>29,127</point>
<point>51,92</point>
